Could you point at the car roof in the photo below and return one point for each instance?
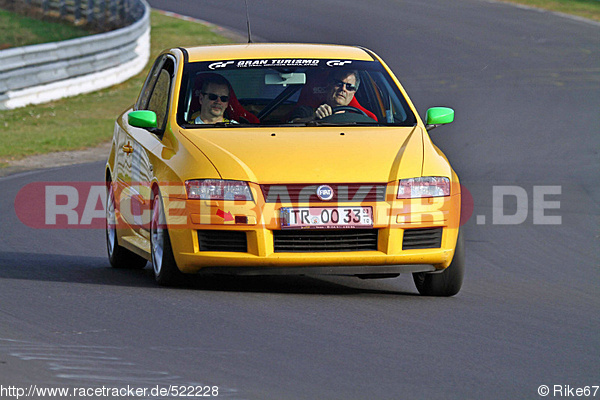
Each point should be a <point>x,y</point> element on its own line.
<point>276,50</point>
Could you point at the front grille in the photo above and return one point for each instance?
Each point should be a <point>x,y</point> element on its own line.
<point>323,240</point>
<point>425,238</point>
<point>222,241</point>
<point>306,193</point>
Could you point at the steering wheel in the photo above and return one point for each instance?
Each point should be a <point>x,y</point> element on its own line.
<point>349,109</point>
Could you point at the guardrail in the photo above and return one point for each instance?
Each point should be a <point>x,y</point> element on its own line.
<point>41,73</point>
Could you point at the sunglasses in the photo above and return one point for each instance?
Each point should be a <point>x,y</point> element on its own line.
<point>213,97</point>
<point>349,87</point>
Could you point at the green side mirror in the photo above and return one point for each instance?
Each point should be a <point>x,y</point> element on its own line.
<point>438,116</point>
<point>142,119</point>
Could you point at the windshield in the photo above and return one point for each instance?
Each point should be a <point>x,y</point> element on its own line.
<point>288,92</point>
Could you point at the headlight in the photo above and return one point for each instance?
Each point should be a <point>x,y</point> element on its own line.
<point>427,186</point>
<point>216,189</point>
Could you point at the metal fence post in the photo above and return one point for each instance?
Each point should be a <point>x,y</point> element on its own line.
<point>77,11</point>
<point>121,5</point>
<point>62,8</point>
<point>90,12</point>
<point>102,11</point>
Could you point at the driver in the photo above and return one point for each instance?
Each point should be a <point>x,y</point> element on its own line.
<point>341,88</point>
<point>340,92</point>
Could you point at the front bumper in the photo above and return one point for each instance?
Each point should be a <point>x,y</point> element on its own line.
<point>258,224</point>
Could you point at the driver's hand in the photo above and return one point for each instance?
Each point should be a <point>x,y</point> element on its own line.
<point>323,111</point>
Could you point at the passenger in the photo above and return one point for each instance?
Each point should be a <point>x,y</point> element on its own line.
<point>214,100</point>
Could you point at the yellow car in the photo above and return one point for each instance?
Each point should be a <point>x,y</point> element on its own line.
<point>263,159</point>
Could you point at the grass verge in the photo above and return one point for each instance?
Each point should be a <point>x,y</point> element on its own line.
<point>18,30</point>
<point>583,8</point>
<point>88,120</point>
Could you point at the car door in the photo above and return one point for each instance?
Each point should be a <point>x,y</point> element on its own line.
<point>135,169</point>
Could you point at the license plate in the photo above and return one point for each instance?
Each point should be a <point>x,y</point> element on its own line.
<point>326,217</point>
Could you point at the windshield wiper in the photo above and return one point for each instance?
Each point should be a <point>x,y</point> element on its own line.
<point>349,123</point>
<point>220,125</point>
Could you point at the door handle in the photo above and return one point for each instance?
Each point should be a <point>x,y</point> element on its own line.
<point>128,148</point>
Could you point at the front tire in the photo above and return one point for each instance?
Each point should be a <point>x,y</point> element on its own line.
<point>447,283</point>
<point>119,256</point>
<point>165,268</point>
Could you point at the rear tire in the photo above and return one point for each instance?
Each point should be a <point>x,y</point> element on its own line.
<point>119,256</point>
<point>165,268</point>
<point>447,283</point>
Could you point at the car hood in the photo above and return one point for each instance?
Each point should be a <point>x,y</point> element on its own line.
<point>301,155</point>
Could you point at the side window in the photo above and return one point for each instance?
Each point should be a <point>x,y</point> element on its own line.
<point>157,90</point>
<point>149,85</point>
<point>394,105</point>
<point>159,100</point>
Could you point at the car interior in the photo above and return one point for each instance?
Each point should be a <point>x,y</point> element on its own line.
<point>269,96</point>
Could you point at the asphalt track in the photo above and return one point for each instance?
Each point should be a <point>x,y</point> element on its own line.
<point>525,86</point>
